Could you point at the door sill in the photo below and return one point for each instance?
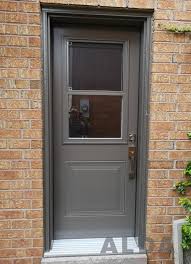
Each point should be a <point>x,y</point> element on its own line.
<point>111,259</point>
<point>93,246</point>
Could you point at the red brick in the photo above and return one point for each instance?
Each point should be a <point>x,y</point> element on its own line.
<point>33,214</point>
<point>35,64</point>
<point>20,184</point>
<point>24,261</point>
<point>17,63</point>
<point>167,4</point>
<point>38,242</point>
<point>179,155</point>
<point>37,204</point>
<point>160,201</point>
<point>162,126</point>
<point>166,107</point>
<point>35,84</point>
<point>11,29</point>
<point>158,174</point>
<point>32,94</point>
<point>8,6</point>
<point>184,107</point>
<point>158,155</point>
<point>19,144</point>
<point>157,192</point>
<point>182,16</point>
<point>141,3</point>
<point>160,145</point>
<point>186,68</point>
<point>161,165</point>
<point>177,135</point>
<point>32,134</point>
<point>183,126</point>
<point>33,154</point>
<point>21,224</point>
<point>185,48</point>
<point>22,84</point>
<point>36,144</point>
<point>16,18</point>
<point>17,41</point>
<point>163,15</point>
<point>29,7</point>
<point>163,36</point>
<point>20,164</point>
<point>180,116</point>
<point>36,164</point>
<point>11,52</point>
<point>160,57</point>
<point>29,74</point>
<point>30,53</point>
<point>34,42</point>
<point>166,68</point>
<point>162,183</point>
<point>10,175</point>
<point>31,114</point>
<point>4,214</point>
<point>18,124</point>
<point>22,243</point>
<point>187,5</point>
<point>37,184</point>
<point>17,104</point>
<point>165,47</point>
<point>10,154</point>
<point>34,19</point>
<point>5,165</point>
<point>159,219</point>
<point>34,252</point>
<point>184,88</point>
<point>34,233</point>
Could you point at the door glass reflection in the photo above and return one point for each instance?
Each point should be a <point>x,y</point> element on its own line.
<point>94,116</point>
<point>95,66</point>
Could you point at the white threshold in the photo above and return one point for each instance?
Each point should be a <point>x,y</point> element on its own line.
<point>92,246</point>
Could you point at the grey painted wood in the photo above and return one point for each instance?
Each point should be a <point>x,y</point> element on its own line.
<point>143,132</point>
<point>47,131</point>
<point>93,193</point>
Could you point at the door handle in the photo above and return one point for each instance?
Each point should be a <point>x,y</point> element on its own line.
<point>132,162</point>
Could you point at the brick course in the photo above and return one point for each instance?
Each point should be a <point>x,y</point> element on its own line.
<point>21,222</point>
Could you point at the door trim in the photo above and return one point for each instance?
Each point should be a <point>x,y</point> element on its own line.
<point>121,17</point>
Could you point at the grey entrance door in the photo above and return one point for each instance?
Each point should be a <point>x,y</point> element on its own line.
<point>95,98</point>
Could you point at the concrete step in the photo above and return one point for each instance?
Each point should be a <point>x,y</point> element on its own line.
<point>110,259</point>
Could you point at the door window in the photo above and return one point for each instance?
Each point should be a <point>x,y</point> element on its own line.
<point>95,66</point>
<point>94,116</point>
<point>96,92</point>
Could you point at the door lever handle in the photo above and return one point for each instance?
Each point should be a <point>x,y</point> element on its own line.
<point>132,162</point>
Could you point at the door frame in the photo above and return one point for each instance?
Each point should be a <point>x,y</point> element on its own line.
<point>135,18</point>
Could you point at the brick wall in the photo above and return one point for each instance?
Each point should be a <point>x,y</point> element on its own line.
<point>21,125</point>
<point>21,133</point>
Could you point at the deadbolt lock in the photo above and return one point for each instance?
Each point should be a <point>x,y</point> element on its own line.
<point>132,138</point>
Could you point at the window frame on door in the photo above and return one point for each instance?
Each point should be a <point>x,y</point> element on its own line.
<point>123,93</point>
<point>141,19</point>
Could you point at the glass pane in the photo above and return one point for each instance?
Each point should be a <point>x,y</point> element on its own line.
<point>94,66</point>
<point>95,116</point>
